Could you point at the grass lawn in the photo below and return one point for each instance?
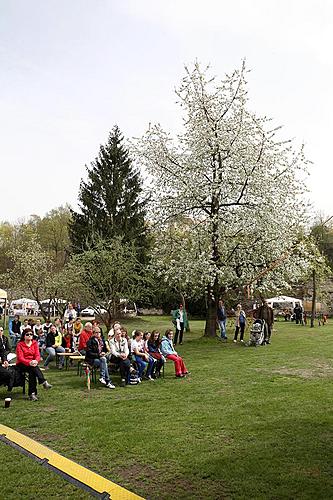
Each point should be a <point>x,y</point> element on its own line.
<point>252,423</point>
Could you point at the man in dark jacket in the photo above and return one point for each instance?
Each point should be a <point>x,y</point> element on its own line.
<point>266,312</point>
<point>96,356</point>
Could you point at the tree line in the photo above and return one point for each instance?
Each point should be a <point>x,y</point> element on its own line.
<point>217,211</point>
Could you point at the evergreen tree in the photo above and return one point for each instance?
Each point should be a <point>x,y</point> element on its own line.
<point>110,200</point>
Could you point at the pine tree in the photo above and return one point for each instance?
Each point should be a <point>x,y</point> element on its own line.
<point>110,200</point>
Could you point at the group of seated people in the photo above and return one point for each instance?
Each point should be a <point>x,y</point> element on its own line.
<point>141,356</point>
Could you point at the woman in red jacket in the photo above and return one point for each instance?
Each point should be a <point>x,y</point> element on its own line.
<point>27,358</point>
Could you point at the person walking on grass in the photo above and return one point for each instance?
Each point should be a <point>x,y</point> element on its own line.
<point>266,313</point>
<point>222,319</point>
<point>240,322</point>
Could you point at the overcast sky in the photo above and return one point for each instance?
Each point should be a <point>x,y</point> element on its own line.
<point>71,69</point>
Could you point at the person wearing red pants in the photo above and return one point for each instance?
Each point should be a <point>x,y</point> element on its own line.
<point>169,352</point>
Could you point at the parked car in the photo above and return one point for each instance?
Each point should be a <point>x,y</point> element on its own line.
<point>91,311</point>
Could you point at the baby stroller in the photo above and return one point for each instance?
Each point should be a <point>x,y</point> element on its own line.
<point>257,333</point>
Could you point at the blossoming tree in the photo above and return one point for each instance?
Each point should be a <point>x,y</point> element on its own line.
<point>233,178</point>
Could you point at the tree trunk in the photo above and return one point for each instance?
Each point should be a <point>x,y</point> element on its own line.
<point>212,298</point>
<point>314,298</point>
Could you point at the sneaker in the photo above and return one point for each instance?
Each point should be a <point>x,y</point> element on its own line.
<point>102,381</point>
<point>110,386</point>
<point>123,382</point>
<point>180,376</point>
<point>46,385</point>
<point>33,397</point>
<point>235,341</point>
<point>139,380</point>
<point>242,341</point>
<point>150,378</point>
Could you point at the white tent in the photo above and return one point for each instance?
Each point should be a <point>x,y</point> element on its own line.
<point>283,302</point>
<point>23,307</point>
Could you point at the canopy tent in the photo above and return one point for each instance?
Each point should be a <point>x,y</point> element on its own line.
<point>283,302</point>
<point>23,307</point>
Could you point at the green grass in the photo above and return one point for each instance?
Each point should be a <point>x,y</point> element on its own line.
<point>248,423</point>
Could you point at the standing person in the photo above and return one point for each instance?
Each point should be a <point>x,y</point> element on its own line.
<point>221,319</point>
<point>240,322</point>
<point>169,352</point>
<point>298,311</point>
<point>15,330</point>
<point>28,357</point>
<point>70,312</point>
<point>266,313</point>
<point>180,322</point>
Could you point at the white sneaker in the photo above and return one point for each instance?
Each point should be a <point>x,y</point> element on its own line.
<point>110,386</point>
<point>46,385</point>
<point>235,341</point>
<point>102,381</point>
<point>242,341</point>
<point>150,378</point>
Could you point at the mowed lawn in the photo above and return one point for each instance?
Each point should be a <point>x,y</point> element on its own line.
<point>247,423</point>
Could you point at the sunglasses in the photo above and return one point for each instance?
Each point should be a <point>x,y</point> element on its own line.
<point>28,334</point>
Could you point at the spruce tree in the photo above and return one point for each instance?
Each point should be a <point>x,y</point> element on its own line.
<point>110,201</point>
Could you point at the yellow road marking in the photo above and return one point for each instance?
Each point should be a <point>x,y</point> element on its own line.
<point>76,471</point>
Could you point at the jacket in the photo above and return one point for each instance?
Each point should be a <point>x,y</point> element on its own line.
<point>118,348</point>
<point>92,350</point>
<point>50,340</point>
<point>167,346</point>
<point>84,337</point>
<point>25,354</point>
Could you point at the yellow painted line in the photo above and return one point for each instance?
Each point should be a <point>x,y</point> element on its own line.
<point>76,471</point>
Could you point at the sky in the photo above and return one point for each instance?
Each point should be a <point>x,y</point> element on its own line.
<point>72,69</point>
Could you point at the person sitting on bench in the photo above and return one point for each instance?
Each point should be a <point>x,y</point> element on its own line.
<point>28,357</point>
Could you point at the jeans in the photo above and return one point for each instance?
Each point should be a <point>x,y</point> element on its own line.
<point>52,354</point>
<point>222,328</point>
<point>141,365</point>
<point>102,364</point>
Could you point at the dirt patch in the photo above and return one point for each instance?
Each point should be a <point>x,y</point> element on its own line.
<point>157,484</point>
<point>318,369</point>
